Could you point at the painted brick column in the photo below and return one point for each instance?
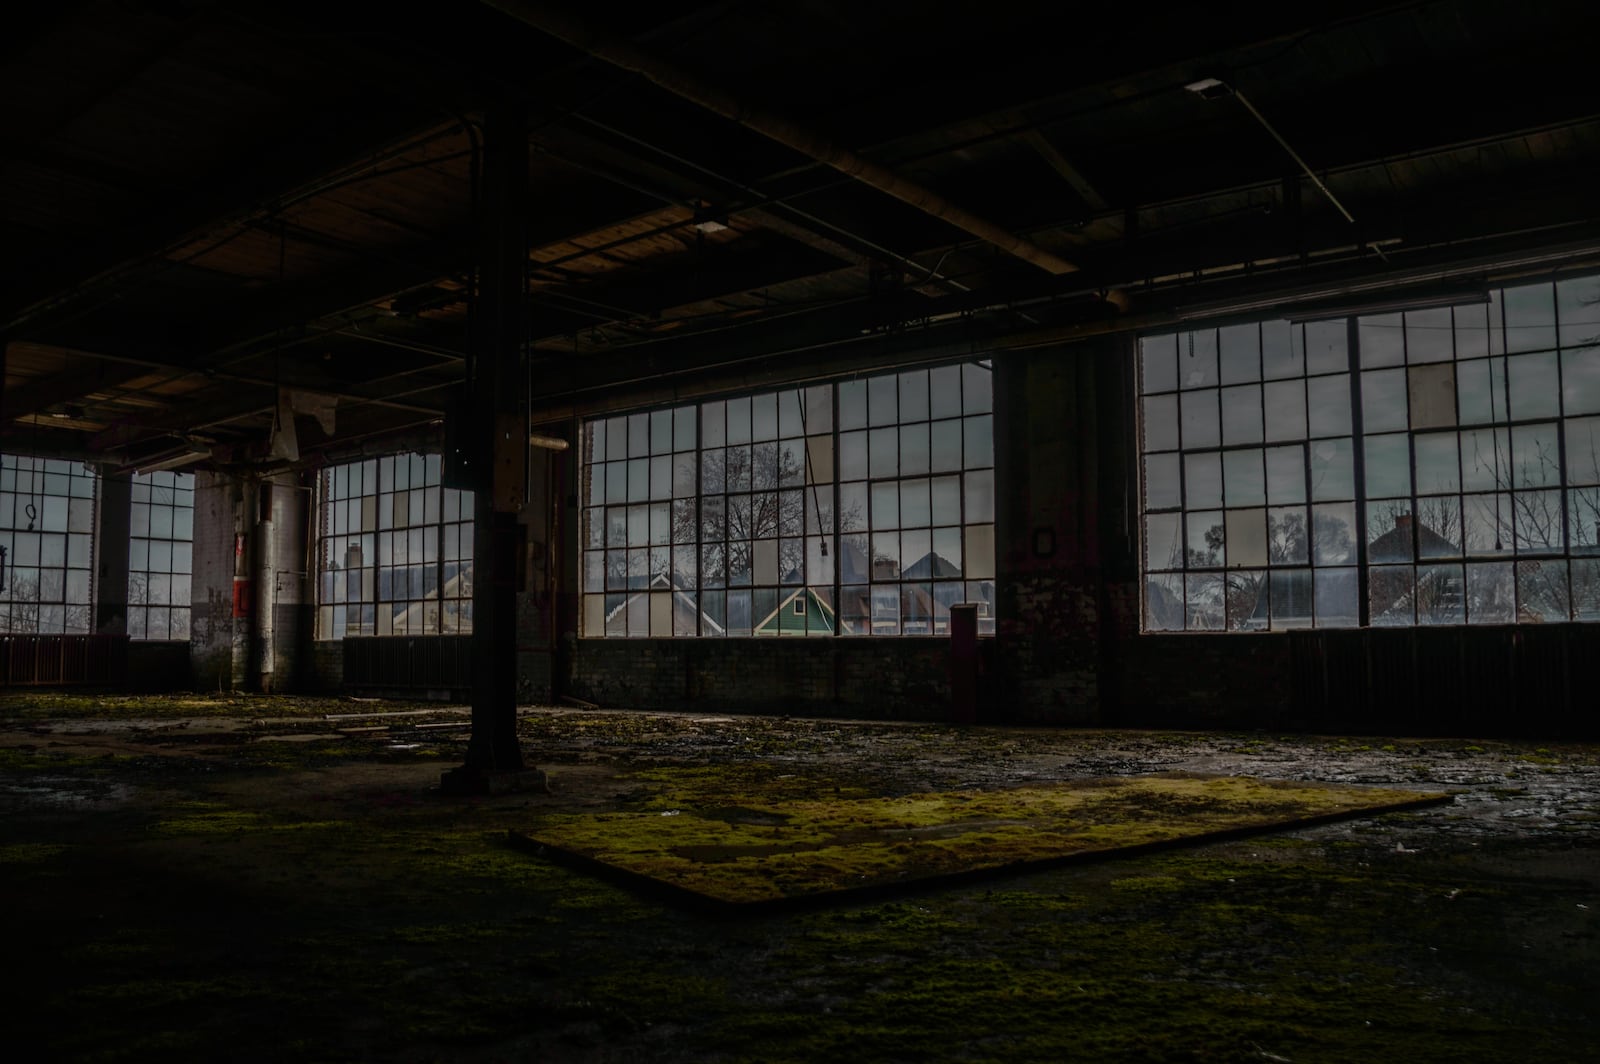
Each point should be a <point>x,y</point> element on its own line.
<point>1047,552</point>
<point>112,527</point>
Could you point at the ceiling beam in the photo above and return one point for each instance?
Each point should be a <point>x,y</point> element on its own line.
<point>627,56</point>
<point>271,175</point>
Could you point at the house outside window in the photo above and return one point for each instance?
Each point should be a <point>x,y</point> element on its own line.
<point>852,508</point>
<point>394,550</point>
<point>1428,467</point>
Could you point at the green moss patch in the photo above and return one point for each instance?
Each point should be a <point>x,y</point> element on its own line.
<point>752,846</point>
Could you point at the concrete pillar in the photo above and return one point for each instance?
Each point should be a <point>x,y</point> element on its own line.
<point>497,447</point>
<point>278,580</point>
<point>211,624</point>
<point>1047,532</point>
<point>111,554</point>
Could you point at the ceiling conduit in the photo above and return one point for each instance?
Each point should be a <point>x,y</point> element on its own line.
<point>565,27</point>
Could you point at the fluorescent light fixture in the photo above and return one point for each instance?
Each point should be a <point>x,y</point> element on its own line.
<point>1381,304</point>
<point>1209,88</point>
<point>172,460</point>
<point>549,443</point>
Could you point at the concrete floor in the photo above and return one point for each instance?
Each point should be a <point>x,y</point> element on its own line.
<point>187,878</point>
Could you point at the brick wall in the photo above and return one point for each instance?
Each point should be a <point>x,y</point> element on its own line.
<point>324,666</point>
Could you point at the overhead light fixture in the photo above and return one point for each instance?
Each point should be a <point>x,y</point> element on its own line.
<point>172,460</point>
<point>710,220</point>
<point>1209,88</point>
<point>1390,304</point>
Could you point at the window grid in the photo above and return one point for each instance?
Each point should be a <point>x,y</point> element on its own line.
<point>47,520</point>
<point>160,555</point>
<point>857,508</point>
<point>394,550</point>
<point>1457,482</point>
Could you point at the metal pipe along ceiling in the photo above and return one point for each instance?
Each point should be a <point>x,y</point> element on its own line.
<point>565,27</point>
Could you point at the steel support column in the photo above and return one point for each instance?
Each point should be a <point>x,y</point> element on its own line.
<point>496,444</point>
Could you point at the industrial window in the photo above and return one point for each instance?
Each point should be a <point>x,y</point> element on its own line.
<point>160,555</point>
<point>865,506</point>
<point>394,550</point>
<point>1426,467</point>
<point>47,511</point>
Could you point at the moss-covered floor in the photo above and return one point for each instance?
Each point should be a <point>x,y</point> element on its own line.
<point>737,842</point>
<point>201,879</point>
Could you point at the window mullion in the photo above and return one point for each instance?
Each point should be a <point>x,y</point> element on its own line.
<point>1358,461</point>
